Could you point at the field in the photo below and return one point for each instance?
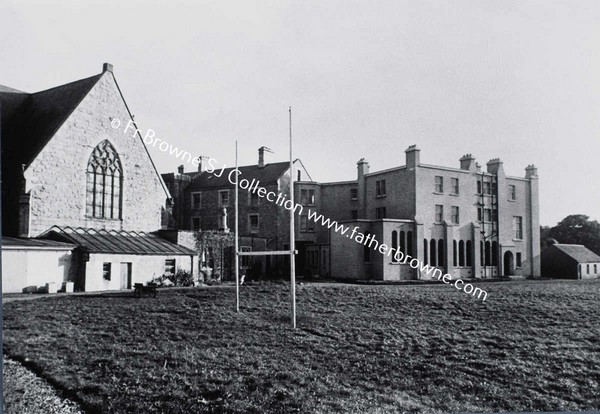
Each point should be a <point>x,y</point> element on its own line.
<point>532,345</point>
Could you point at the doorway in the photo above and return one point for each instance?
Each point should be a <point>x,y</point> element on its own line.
<point>509,264</point>
<point>126,275</point>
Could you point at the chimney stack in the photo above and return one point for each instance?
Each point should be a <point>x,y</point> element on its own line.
<point>531,171</point>
<point>494,165</point>
<point>261,156</point>
<point>180,169</point>
<point>200,161</point>
<point>467,162</point>
<point>413,156</point>
<point>107,67</point>
<point>363,168</point>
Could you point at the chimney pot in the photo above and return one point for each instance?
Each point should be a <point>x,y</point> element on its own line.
<point>467,162</point>
<point>494,165</point>
<point>531,171</point>
<point>180,169</point>
<point>107,67</point>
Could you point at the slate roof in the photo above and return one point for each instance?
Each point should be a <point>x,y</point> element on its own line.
<point>579,252</point>
<point>28,121</point>
<point>269,174</point>
<point>116,242</point>
<point>31,243</point>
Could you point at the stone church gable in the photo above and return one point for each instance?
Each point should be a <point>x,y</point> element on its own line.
<point>58,178</point>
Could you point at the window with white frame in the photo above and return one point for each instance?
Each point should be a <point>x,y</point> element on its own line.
<point>196,200</point>
<point>169,266</point>
<point>454,215</point>
<point>518,227</point>
<point>253,223</point>
<point>487,214</point>
<point>439,184</point>
<point>439,213</point>
<point>454,186</point>
<point>307,196</point>
<point>380,188</point>
<point>106,270</point>
<point>223,198</point>
<point>512,192</point>
<point>487,188</point>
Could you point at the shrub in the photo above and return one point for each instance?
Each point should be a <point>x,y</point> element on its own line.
<point>182,278</point>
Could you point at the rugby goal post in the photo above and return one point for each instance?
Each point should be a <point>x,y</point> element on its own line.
<point>291,252</point>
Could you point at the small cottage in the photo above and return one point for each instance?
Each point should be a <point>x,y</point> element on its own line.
<point>570,261</point>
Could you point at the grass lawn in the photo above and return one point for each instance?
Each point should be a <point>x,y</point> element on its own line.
<point>361,349</point>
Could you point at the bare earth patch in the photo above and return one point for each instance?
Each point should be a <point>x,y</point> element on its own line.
<point>362,349</point>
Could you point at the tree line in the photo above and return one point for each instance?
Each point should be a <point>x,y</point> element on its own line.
<point>573,229</point>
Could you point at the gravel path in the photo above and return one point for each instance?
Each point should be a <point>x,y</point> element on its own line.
<point>26,393</point>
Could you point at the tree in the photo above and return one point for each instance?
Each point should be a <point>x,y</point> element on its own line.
<point>577,229</point>
<point>545,239</point>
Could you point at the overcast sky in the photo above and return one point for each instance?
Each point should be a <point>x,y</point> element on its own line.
<point>517,80</point>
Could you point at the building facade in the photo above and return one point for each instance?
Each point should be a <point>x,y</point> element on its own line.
<point>204,200</point>
<point>467,222</point>
<point>65,165</point>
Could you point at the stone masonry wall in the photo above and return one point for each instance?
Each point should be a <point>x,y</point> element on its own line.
<point>57,177</point>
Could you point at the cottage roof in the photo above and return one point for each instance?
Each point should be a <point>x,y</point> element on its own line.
<point>28,121</point>
<point>579,252</point>
<point>269,174</point>
<point>116,242</point>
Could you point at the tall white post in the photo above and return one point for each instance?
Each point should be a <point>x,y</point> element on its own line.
<point>237,257</point>
<point>292,234</point>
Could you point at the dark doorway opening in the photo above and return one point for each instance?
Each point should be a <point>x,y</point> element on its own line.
<point>509,264</point>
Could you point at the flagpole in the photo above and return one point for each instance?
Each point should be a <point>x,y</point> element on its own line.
<point>237,257</point>
<point>292,235</point>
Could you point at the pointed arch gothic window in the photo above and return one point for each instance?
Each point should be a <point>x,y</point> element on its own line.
<point>104,190</point>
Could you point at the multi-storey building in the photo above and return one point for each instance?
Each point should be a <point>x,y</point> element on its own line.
<point>467,222</point>
<point>204,200</point>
